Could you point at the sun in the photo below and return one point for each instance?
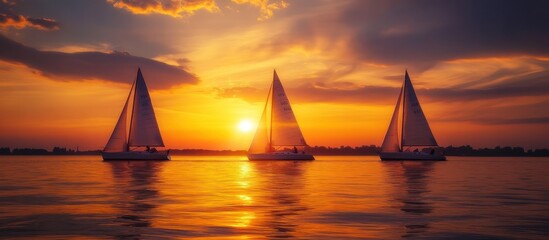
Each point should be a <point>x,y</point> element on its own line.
<point>245,125</point>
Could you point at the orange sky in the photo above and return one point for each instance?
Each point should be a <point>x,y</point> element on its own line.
<point>209,65</point>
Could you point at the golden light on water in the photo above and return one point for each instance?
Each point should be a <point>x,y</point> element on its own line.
<point>208,67</point>
<point>247,200</point>
<point>244,219</point>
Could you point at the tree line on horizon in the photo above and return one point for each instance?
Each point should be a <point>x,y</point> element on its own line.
<point>364,150</point>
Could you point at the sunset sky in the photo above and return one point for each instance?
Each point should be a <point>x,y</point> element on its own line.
<point>480,68</point>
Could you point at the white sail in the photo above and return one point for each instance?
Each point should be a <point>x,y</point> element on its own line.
<point>416,131</point>
<point>284,128</point>
<point>390,142</point>
<point>118,141</point>
<point>261,144</point>
<point>143,128</point>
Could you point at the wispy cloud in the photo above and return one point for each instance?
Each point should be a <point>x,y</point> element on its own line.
<point>420,33</point>
<point>538,120</point>
<point>185,8</point>
<point>114,66</point>
<point>174,8</point>
<point>534,83</point>
<point>316,93</point>
<point>266,7</point>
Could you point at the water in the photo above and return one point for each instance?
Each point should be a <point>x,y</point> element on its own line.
<point>64,197</point>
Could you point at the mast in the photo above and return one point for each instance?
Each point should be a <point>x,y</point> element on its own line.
<point>133,106</point>
<point>403,111</point>
<point>271,93</point>
<point>127,100</point>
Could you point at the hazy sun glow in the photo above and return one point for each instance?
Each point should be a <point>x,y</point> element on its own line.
<point>209,67</point>
<point>245,125</point>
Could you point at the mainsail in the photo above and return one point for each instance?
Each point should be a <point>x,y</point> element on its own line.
<point>143,129</point>
<point>415,128</point>
<point>416,131</point>
<point>280,128</point>
<point>284,128</point>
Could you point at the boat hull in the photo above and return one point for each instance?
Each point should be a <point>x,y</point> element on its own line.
<point>410,156</point>
<point>136,155</point>
<point>281,156</point>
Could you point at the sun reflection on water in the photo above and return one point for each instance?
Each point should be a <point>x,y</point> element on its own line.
<point>244,219</point>
<point>246,199</point>
<point>226,198</point>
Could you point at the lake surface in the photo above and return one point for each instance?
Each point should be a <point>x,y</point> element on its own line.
<point>75,197</point>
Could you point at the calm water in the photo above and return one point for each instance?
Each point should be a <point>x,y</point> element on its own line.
<point>230,198</point>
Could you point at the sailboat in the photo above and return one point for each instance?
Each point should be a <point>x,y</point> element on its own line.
<point>416,139</point>
<point>278,136</point>
<point>144,134</point>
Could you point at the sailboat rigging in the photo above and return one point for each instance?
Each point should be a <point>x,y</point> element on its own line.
<point>278,136</point>
<point>143,129</point>
<point>415,132</point>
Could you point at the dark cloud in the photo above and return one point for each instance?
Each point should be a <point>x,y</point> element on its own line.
<point>383,95</point>
<point>499,112</point>
<point>115,67</point>
<point>10,18</point>
<point>319,93</point>
<point>522,85</point>
<point>360,94</point>
<point>528,113</point>
<point>499,75</point>
<point>420,33</point>
<point>431,30</point>
<point>535,120</point>
<point>44,23</point>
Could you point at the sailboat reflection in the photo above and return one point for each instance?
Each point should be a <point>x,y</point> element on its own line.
<point>283,186</point>
<point>135,182</point>
<point>410,181</point>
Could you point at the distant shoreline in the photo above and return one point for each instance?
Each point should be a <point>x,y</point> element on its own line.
<point>316,150</point>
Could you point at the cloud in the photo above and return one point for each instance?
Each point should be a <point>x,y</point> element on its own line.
<point>184,8</point>
<point>500,121</point>
<point>19,22</point>
<point>318,93</point>
<point>174,8</point>
<point>431,31</point>
<point>114,67</point>
<point>266,7</point>
<point>249,94</point>
<point>11,19</point>
<point>421,33</point>
<point>383,95</point>
<point>518,84</point>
